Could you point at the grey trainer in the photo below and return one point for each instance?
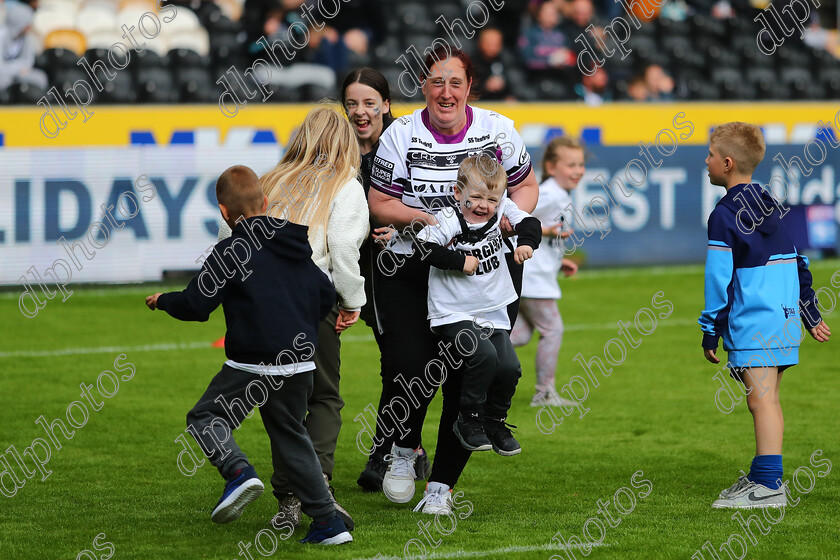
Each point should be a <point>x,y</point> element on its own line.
<point>751,495</point>
<point>742,480</point>
<point>348,521</point>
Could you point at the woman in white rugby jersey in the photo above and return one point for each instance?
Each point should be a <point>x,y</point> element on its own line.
<point>366,99</point>
<point>413,173</point>
<point>315,184</point>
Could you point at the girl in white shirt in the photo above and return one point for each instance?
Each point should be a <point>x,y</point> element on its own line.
<point>563,165</point>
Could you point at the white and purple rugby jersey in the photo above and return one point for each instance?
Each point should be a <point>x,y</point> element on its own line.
<point>419,165</point>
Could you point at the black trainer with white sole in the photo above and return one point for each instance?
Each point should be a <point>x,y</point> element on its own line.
<point>500,436</point>
<point>469,430</point>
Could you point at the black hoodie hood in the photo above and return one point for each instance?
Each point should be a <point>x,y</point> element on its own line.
<point>754,207</point>
<point>285,239</point>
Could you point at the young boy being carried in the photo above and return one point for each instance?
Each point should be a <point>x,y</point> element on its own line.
<point>273,297</point>
<point>469,290</point>
<point>756,284</point>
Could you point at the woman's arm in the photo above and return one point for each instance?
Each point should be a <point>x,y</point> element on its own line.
<point>526,193</point>
<point>388,210</point>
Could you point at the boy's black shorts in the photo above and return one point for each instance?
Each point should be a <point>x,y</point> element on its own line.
<point>738,373</point>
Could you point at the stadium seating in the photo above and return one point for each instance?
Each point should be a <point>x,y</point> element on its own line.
<point>54,60</point>
<point>93,17</point>
<point>24,93</point>
<point>120,90</point>
<point>69,39</point>
<point>709,58</point>
<point>155,85</point>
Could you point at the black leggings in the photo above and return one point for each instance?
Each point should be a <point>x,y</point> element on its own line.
<point>413,366</point>
<point>414,361</point>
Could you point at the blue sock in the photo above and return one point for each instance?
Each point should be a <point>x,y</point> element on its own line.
<point>766,470</point>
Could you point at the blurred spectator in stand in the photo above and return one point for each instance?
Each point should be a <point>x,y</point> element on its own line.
<point>328,48</point>
<point>544,47</point>
<point>722,9</point>
<point>637,90</point>
<point>594,90</point>
<point>490,64</point>
<point>18,47</point>
<point>659,84</point>
<point>270,19</point>
<point>313,64</point>
<point>359,22</point>
<point>578,16</point>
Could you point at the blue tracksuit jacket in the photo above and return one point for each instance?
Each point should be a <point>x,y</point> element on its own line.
<point>757,285</point>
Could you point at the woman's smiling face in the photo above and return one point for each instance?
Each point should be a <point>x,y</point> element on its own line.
<point>446,91</point>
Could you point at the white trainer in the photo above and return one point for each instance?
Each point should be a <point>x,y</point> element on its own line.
<point>398,482</point>
<point>551,398</point>
<point>437,499</point>
<point>750,495</point>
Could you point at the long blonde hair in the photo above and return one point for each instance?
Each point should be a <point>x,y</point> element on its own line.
<point>321,158</point>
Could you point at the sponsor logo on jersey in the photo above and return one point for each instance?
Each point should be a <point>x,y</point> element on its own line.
<point>382,175</point>
<point>478,138</point>
<point>379,162</point>
<point>415,155</point>
<point>415,140</point>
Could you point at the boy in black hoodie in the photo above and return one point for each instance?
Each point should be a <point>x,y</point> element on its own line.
<point>273,297</point>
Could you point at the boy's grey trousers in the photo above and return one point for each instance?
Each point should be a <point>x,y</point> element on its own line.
<point>231,396</point>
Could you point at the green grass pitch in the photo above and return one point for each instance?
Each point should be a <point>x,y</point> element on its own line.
<point>654,413</point>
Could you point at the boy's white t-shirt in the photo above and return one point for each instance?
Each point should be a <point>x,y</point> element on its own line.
<point>539,278</point>
<point>454,296</point>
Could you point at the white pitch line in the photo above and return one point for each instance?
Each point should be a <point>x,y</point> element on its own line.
<point>620,272</point>
<point>105,350</point>
<point>163,347</point>
<point>480,553</point>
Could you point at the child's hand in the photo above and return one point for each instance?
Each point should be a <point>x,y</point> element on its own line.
<point>568,267</point>
<point>151,301</point>
<point>821,332</point>
<point>710,355</point>
<point>470,265</point>
<point>522,254</point>
<point>383,235</point>
<point>507,229</point>
<point>553,231</point>
<point>346,319</point>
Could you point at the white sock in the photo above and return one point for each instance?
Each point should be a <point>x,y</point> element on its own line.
<point>437,487</point>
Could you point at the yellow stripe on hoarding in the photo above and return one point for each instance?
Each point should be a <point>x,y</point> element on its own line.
<point>620,123</point>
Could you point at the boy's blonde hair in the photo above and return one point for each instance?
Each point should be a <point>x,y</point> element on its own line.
<point>551,156</point>
<point>743,142</point>
<point>478,169</point>
<point>321,158</point>
<point>238,188</point>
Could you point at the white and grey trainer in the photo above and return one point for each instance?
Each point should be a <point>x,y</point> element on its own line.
<point>551,398</point>
<point>437,499</point>
<point>742,480</point>
<point>750,495</point>
<point>398,482</point>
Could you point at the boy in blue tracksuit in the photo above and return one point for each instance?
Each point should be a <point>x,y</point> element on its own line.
<point>757,289</point>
